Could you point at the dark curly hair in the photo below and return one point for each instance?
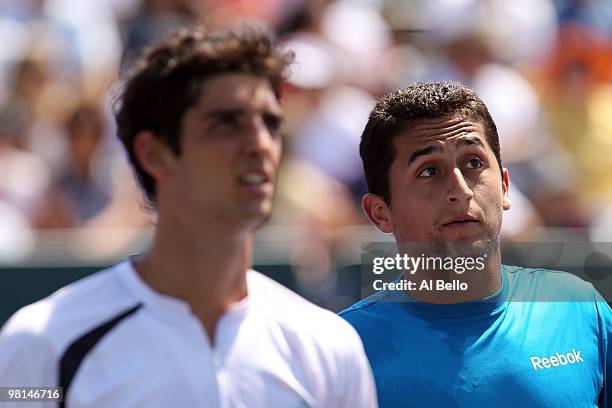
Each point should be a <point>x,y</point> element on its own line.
<point>168,79</point>
<point>403,108</point>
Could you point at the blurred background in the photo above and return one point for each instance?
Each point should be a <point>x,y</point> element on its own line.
<point>69,204</point>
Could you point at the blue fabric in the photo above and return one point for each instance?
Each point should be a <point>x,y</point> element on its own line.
<point>541,341</point>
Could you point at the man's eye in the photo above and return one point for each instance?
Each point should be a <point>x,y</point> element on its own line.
<point>428,172</point>
<point>226,122</point>
<point>273,122</point>
<point>474,164</point>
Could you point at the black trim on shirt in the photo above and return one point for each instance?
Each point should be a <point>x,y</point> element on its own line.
<point>78,349</point>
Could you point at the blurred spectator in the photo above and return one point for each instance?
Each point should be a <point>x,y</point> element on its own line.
<point>361,39</point>
<point>576,90</point>
<point>317,278</point>
<point>16,237</point>
<point>29,28</point>
<point>77,193</point>
<point>23,176</point>
<point>330,136</point>
<point>152,22</point>
<point>48,101</point>
<point>308,195</point>
<point>285,16</point>
<point>595,14</point>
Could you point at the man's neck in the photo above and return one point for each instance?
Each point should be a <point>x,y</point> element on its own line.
<point>479,284</point>
<point>207,269</point>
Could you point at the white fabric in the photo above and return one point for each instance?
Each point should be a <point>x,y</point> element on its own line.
<point>272,349</point>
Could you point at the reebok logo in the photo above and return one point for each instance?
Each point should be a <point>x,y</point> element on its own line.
<point>556,360</point>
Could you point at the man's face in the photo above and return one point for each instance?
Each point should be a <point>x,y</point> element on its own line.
<point>230,152</point>
<point>445,184</point>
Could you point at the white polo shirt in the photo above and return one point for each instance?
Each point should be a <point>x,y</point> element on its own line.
<point>112,341</point>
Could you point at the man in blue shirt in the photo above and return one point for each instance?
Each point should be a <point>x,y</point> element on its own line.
<point>502,336</point>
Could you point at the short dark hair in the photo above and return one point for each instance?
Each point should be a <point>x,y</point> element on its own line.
<point>403,108</point>
<point>168,79</point>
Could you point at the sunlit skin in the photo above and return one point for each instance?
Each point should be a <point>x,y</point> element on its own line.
<point>212,196</point>
<point>446,186</point>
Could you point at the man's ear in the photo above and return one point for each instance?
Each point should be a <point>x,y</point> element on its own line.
<point>378,212</point>
<point>505,187</point>
<point>153,155</point>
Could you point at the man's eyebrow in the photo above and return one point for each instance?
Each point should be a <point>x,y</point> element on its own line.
<point>223,112</point>
<point>232,112</point>
<point>423,152</point>
<point>464,141</point>
<point>470,141</point>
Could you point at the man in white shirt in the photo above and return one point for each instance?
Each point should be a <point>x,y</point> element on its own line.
<point>188,324</point>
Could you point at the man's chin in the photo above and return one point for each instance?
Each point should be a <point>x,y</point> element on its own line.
<point>257,216</point>
<point>473,246</point>
<point>455,246</point>
<point>473,234</point>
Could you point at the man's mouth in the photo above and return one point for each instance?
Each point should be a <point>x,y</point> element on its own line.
<point>460,221</point>
<point>253,177</point>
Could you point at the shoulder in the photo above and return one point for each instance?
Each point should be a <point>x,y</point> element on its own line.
<point>300,319</point>
<point>538,284</point>
<point>365,306</point>
<point>35,338</point>
<point>372,313</point>
<point>70,311</point>
<point>318,338</point>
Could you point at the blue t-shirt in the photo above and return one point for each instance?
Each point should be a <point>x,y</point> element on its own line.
<point>506,351</point>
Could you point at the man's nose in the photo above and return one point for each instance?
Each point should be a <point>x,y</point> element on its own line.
<point>260,138</point>
<point>458,189</point>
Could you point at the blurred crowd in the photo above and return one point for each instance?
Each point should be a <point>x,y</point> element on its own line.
<point>543,67</point>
